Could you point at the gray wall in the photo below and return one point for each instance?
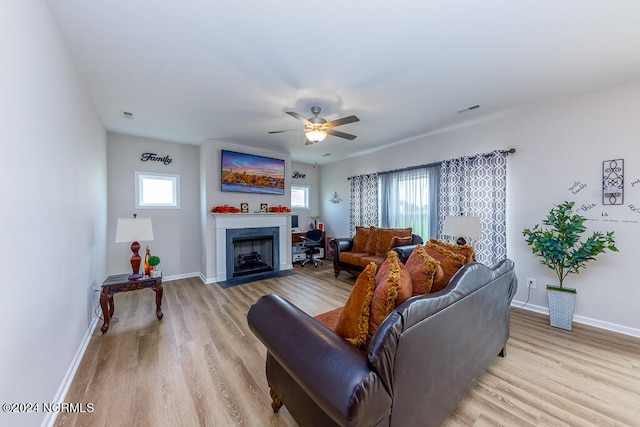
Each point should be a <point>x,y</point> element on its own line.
<point>176,231</point>
<point>557,145</point>
<point>53,216</point>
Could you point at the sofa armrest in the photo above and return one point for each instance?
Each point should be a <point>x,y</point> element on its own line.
<point>334,373</point>
<point>341,244</point>
<point>404,252</point>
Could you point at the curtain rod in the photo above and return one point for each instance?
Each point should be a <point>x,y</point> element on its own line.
<point>428,165</point>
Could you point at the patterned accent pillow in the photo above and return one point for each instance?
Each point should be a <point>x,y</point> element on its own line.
<point>465,250</point>
<point>372,242</point>
<point>385,235</point>
<point>360,239</point>
<point>393,287</point>
<point>353,324</point>
<point>450,262</point>
<point>422,269</point>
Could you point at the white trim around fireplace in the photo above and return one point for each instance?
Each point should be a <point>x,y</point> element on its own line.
<point>248,220</point>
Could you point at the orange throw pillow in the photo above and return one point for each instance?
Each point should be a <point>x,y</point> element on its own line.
<point>399,241</point>
<point>465,250</point>
<point>393,287</point>
<point>353,324</point>
<point>422,269</point>
<point>385,235</point>
<point>360,239</point>
<point>450,262</point>
<point>372,242</point>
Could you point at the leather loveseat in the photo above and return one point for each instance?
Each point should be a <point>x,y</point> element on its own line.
<point>425,356</point>
<point>370,244</point>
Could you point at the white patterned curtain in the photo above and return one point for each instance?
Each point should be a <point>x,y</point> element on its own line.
<point>364,202</point>
<point>477,186</point>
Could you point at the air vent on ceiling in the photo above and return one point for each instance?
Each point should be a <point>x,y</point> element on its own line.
<point>466,110</point>
<point>127,115</point>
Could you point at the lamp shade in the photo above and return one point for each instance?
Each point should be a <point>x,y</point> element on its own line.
<point>133,230</point>
<point>315,135</point>
<point>462,226</point>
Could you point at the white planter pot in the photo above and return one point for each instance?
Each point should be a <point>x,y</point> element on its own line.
<point>156,273</point>
<point>561,306</point>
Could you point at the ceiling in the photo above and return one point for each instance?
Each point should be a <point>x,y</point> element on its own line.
<point>191,70</point>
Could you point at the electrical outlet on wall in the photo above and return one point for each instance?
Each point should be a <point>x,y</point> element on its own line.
<point>531,283</point>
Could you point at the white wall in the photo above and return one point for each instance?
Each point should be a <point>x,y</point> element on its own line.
<point>557,145</point>
<point>312,180</point>
<point>176,231</point>
<point>212,195</point>
<point>53,216</point>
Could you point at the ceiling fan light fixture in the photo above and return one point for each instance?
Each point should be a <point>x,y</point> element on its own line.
<point>315,135</point>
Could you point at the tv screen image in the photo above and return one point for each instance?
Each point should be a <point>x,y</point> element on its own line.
<point>249,173</point>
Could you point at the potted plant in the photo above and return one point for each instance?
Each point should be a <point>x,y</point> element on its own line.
<point>561,250</point>
<point>153,262</point>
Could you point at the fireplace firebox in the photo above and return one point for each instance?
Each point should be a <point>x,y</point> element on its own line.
<point>252,251</point>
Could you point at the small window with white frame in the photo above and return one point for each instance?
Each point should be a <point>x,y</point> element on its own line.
<point>157,190</point>
<point>299,197</point>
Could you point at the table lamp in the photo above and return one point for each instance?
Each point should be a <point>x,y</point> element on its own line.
<point>134,229</point>
<point>461,227</point>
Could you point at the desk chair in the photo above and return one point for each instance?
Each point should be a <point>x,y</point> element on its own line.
<point>312,246</point>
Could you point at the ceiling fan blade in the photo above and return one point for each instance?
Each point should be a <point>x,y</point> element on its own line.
<point>342,121</point>
<point>280,131</point>
<point>340,134</point>
<point>299,117</point>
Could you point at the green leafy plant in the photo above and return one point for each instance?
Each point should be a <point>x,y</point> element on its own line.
<point>153,261</point>
<point>560,246</point>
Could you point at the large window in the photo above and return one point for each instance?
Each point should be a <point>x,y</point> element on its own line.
<point>157,190</point>
<point>299,197</point>
<point>409,198</point>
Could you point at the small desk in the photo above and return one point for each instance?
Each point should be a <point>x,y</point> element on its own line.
<point>121,283</point>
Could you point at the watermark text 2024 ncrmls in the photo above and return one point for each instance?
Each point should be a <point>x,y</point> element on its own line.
<point>48,407</point>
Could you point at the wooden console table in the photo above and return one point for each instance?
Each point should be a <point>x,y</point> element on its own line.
<point>121,283</point>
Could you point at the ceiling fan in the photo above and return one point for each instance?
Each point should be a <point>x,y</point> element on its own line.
<point>316,128</point>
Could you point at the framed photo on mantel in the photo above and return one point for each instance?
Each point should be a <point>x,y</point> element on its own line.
<point>244,207</point>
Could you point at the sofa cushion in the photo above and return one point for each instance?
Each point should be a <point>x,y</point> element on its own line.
<point>422,269</point>
<point>386,235</point>
<point>393,287</point>
<point>464,250</point>
<point>365,260</point>
<point>360,239</point>
<point>372,242</point>
<point>330,318</point>
<point>352,258</point>
<point>353,324</point>
<point>450,262</point>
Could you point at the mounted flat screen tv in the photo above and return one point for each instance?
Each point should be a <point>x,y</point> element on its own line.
<point>248,173</point>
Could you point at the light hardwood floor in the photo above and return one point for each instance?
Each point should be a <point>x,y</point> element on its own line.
<point>201,365</point>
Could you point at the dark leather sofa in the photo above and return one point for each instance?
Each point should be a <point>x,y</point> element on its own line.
<point>355,267</point>
<point>422,361</point>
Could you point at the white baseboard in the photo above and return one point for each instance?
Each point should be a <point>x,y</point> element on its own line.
<point>613,327</point>
<point>50,417</point>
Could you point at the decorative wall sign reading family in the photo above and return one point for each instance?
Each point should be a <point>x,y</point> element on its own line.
<point>153,157</point>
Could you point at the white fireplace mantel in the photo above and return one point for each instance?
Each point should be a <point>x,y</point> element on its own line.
<point>247,220</point>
